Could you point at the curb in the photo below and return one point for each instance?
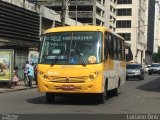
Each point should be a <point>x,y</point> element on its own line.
<point>16,89</point>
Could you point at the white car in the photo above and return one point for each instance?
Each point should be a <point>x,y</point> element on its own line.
<point>154,69</point>
<point>147,68</point>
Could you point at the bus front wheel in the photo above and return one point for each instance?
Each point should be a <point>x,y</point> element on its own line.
<point>102,96</point>
<point>50,97</point>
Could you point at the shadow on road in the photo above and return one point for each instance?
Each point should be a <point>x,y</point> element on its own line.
<point>68,100</point>
<point>76,100</point>
<point>37,100</point>
<point>151,86</point>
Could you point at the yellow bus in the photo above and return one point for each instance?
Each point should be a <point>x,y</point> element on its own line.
<point>81,60</point>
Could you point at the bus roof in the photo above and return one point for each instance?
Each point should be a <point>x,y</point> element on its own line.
<point>81,28</point>
<point>76,28</point>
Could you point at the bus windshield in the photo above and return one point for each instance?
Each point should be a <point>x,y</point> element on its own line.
<point>71,48</point>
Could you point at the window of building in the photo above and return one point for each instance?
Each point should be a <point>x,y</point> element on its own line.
<point>124,12</point>
<point>126,36</point>
<point>123,24</point>
<point>124,1</point>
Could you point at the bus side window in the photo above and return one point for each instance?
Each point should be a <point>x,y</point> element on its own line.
<point>115,49</point>
<point>119,48</point>
<point>123,50</point>
<point>106,47</point>
<point>110,46</point>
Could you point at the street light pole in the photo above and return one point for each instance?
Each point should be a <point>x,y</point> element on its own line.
<point>40,20</point>
<point>76,12</point>
<point>63,12</point>
<point>136,45</point>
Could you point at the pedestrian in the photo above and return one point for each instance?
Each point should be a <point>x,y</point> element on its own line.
<point>30,74</point>
<point>15,77</point>
<point>35,73</point>
<point>26,67</point>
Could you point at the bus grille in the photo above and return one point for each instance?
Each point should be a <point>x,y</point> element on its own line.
<point>68,79</point>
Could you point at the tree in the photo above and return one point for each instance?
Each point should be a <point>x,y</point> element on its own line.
<point>156,57</point>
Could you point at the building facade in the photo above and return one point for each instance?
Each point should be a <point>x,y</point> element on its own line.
<point>157,27</point>
<point>128,18</point>
<point>90,12</point>
<point>150,31</point>
<point>131,24</point>
<point>19,23</point>
<point>110,14</point>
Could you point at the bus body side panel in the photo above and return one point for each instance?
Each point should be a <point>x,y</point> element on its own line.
<point>114,71</point>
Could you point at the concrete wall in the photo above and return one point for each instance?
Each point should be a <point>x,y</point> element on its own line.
<point>24,4</point>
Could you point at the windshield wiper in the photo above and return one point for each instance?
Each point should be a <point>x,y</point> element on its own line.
<point>80,57</point>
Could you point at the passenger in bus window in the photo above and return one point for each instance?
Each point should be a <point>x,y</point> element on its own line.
<point>73,57</point>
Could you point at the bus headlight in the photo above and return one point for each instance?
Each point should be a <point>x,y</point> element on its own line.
<point>94,75</point>
<point>40,72</point>
<point>97,73</point>
<point>46,77</point>
<point>91,77</point>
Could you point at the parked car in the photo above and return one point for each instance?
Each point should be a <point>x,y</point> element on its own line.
<point>135,71</point>
<point>147,68</point>
<point>154,69</point>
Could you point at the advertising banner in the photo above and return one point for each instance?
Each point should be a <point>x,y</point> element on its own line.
<point>6,64</point>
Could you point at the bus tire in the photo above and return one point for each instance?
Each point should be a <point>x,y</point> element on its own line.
<point>50,97</point>
<point>116,90</point>
<point>103,96</point>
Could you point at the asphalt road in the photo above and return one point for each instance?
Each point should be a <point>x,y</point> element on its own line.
<point>136,96</point>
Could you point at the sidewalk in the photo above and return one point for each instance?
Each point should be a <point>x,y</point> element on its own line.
<point>4,87</point>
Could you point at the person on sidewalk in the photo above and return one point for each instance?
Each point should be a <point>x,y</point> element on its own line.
<point>26,67</point>
<point>15,77</point>
<point>31,74</point>
<point>35,73</point>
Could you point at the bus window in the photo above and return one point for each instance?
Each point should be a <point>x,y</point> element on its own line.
<point>110,46</point>
<point>119,48</point>
<point>106,49</point>
<point>123,50</point>
<point>115,47</point>
<point>57,46</point>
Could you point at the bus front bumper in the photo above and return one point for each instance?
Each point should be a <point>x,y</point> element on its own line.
<point>53,87</point>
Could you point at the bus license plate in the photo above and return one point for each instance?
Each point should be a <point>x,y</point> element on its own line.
<point>68,87</point>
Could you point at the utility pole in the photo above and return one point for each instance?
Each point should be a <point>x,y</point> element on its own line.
<point>76,12</point>
<point>63,12</point>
